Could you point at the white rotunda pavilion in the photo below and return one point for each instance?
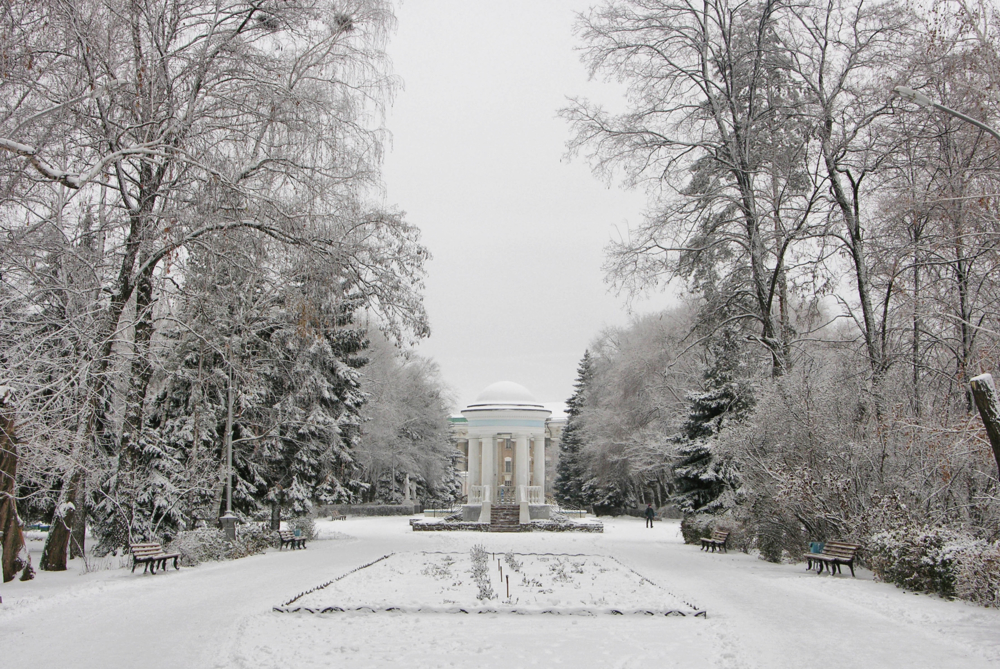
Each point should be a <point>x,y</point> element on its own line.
<point>506,429</point>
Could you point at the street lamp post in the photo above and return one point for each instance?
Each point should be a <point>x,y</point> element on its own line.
<point>228,521</point>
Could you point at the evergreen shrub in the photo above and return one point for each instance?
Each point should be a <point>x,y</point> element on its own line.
<point>770,528</point>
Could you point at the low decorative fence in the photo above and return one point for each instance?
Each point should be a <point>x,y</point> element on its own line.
<point>440,513</point>
<point>372,509</point>
<point>573,513</point>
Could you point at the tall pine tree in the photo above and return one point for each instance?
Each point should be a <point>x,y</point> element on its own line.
<point>572,471</point>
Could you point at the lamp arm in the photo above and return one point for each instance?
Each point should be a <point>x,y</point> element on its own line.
<point>924,101</point>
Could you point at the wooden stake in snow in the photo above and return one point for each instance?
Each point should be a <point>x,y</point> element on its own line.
<point>989,410</point>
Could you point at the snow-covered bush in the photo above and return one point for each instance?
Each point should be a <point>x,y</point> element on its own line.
<point>252,539</point>
<point>512,561</point>
<point>937,560</point>
<point>209,543</point>
<point>200,545</point>
<point>695,527</point>
<point>305,525</point>
<point>977,575</point>
<point>771,528</point>
<point>559,518</point>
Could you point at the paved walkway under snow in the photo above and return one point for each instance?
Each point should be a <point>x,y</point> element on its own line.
<point>219,614</point>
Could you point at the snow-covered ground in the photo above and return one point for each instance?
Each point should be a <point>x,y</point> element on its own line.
<point>437,582</point>
<point>221,614</point>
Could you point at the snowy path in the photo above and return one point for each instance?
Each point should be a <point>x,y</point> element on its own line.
<point>219,614</point>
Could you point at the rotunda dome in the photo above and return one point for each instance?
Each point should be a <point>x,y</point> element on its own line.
<point>505,392</point>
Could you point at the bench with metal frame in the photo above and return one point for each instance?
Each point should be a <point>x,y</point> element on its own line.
<point>288,538</point>
<point>833,555</point>
<point>151,556</point>
<point>716,541</point>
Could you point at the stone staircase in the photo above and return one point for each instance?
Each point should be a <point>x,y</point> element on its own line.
<point>505,518</point>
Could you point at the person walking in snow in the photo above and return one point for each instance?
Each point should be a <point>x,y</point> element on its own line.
<point>649,515</point>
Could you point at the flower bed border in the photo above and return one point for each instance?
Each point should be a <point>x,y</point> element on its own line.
<point>430,525</point>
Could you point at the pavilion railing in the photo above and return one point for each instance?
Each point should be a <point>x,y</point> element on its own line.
<point>532,494</point>
<point>506,494</point>
<point>479,494</point>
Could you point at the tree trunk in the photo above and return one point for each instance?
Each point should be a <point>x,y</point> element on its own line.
<point>850,210</point>
<point>916,320</point>
<point>55,553</point>
<point>989,409</point>
<point>15,553</point>
<point>78,538</point>
<point>275,516</point>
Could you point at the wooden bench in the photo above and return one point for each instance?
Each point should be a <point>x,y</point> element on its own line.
<point>835,553</point>
<point>338,516</point>
<point>288,538</point>
<point>151,555</point>
<point>716,541</point>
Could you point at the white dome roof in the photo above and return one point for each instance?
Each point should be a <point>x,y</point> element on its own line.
<point>505,392</point>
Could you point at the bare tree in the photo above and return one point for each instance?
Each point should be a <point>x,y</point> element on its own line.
<point>838,53</point>
<point>405,431</point>
<point>941,171</point>
<point>714,127</point>
<point>634,403</point>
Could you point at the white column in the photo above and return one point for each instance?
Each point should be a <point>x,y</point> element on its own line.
<point>521,456</point>
<point>538,475</point>
<point>521,459</point>
<point>475,468</point>
<point>488,476</point>
<point>489,456</point>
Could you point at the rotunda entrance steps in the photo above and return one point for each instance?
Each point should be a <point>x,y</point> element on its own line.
<point>505,518</point>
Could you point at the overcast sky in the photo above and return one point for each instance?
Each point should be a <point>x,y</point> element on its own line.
<point>515,289</point>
